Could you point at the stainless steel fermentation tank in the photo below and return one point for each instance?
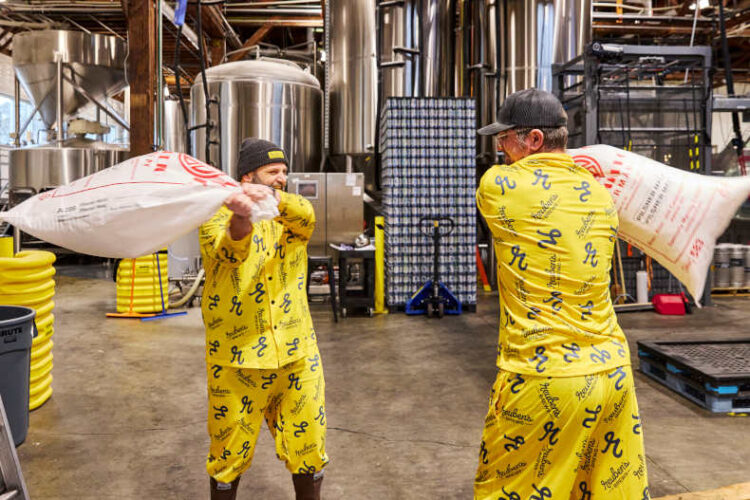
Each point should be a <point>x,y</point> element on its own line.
<point>271,99</point>
<point>61,71</point>
<point>417,48</point>
<point>351,76</point>
<point>175,132</point>
<point>537,33</point>
<point>441,48</point>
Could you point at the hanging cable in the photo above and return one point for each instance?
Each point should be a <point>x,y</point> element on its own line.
<point>204,83</point>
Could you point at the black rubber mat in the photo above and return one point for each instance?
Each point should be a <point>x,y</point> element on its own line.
<point>720,361</point>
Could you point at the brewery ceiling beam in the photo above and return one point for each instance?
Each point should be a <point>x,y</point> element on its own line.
<point>187,31</point>
<point>171,80</point>
<point>291,22</point>
<point>141,17</point>
<point>655,30</point>
<point>644,18</point>
<point>741,18</point>
<point>284,3</point>
<point>273,11</point>
<point>256,37</point>
<point>685,7</point>
<point>5,42</point>
<point>212,21</point>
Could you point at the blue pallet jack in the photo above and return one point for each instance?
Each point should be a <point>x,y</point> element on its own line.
<point>434,298</point>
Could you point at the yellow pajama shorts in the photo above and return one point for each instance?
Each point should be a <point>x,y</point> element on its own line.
<point>291,399</point>
<point>561,438</point>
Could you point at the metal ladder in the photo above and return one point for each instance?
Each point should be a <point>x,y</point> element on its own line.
<point>12,485</point>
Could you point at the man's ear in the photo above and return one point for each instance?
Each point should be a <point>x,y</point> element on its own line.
<point>535,140</point>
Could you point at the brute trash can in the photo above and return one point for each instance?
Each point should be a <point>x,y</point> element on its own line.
<point>16,334</point>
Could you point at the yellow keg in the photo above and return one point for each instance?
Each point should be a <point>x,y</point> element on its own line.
<point>138,287</point>
<point>28,280</point>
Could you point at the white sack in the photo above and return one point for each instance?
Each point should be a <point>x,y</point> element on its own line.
<point>673,215</point>
<point>131,209</point>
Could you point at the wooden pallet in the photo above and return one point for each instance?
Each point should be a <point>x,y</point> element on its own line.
<point>714,374</point>
<point>731,292</point>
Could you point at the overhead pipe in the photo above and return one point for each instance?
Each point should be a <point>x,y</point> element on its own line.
<point>311,22</point>
<point>233,6</point>
<point>277,11</point>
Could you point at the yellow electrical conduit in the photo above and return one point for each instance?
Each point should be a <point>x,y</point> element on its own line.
<point>8,276</point>
<point>41,351</point>
<point>28,259</point>
<point>137,289</point>
<point>27,280</point>
<point>30,288</point>
<point>41,373</point>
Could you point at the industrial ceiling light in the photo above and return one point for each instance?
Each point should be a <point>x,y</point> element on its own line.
<point>702,4</point>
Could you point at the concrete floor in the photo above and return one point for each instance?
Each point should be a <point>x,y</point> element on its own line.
<point>406,399</point>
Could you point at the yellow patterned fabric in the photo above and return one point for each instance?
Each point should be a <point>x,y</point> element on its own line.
<point>255,300</point>
<point>562,437</point>
<point>554,227</point>
<point>290,399</point>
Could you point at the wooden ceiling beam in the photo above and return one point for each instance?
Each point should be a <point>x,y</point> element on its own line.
<point>212,20</point>
<point>286,21</point>
<point>142,62</point>
<point>256,37</point>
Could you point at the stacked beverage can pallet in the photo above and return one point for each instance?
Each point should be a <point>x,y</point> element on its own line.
<point>428,159</point>
<point>713,374</point>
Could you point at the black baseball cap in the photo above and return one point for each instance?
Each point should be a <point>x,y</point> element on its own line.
<point>527,108</point>
<point>255,153</point>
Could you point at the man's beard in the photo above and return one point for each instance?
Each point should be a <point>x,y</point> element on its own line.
<point>256,180</point>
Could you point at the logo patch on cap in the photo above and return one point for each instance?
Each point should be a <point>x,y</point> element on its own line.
<point>275,155</point>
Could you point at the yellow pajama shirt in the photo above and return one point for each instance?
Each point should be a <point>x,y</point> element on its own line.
<point>261,351</point>
<point>554,229</point>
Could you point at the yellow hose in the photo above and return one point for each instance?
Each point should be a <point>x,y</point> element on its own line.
<point>8,276</point>
<point>41,350</point>
<point>27,280</point>
<point>28,259</point>
<point>40,399</point>
<point>40,386</point>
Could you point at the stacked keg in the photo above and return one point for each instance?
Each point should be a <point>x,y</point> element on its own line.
<point>731,266</point>
<point>722,273</point>
<point>737,266</point>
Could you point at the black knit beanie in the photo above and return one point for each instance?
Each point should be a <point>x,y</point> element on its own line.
<point>255,153</point>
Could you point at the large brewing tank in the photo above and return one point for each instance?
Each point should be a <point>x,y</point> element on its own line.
<point>352,76</point>
<point>480,71</point>
<point>175,133</point>
<point>268,98</point>
<point>96,64</point>
<point>39,168</point>
<point>538,33</point>
<point>417,50</point>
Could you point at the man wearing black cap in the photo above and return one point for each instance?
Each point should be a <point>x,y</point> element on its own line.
<point>261,352</point>
<point>563,420</point>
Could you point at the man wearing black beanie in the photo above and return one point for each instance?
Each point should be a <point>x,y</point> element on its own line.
<point>261,351</point>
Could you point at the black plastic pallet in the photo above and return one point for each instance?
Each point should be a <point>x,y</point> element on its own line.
<point>714,374</point>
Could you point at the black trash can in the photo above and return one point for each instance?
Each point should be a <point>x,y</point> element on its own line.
<point>17,331</point>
